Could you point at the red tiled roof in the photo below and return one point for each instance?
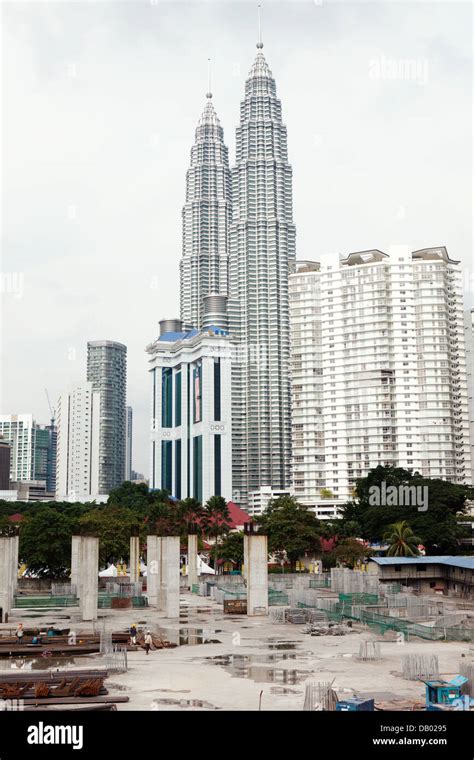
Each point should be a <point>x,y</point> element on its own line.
<point>237,515</point>
<point>17,517</point>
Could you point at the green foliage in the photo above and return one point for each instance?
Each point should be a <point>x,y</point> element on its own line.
<point>291,527</point>
<point>402,541</point>
<point>112,524</point>
<point>349,551</point>
<point>45,541</point>
<point>215,521</point>
<point>231,549</point>
<point>439,527</point>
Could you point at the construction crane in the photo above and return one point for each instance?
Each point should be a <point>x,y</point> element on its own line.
<point>51,410</point>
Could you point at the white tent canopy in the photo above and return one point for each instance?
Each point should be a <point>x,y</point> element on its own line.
<point>110,572</point>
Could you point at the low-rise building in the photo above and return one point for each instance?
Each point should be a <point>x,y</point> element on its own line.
<point>451,575</point>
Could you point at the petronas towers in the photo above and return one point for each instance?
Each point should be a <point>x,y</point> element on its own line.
<point>238,241</point>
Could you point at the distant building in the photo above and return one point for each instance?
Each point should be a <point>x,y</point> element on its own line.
<point>128,443</point>
<point>45,455</point>
<point>378,370</point>
<point>444,574</point>
<point>78,418</point>
<point>107,371</point>
<point>259,500</point>
<point>19,430</point>
<point>137,477</point>
<point>191,452</point>
<point>32,449</point>
<point>5,449</point>
<point>32,490</point>
<point>469,340</point>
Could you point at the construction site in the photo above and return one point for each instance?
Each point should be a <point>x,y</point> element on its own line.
<point>336,641</point>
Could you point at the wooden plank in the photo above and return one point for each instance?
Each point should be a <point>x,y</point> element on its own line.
<point>75,700</point>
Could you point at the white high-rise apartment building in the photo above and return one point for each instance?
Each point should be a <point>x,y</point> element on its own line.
<point>78,424</point>
<point>206,218</point>
<point>191,438</point>
<point>19,431</point>
<point>378,370</point>
<point>469,333</point>
<point>262,244</point>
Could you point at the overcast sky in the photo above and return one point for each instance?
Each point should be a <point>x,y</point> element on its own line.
<point>99,106</point>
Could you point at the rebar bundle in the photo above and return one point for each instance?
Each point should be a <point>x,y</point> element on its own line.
<point>369,650</point>
<point>466,669</point>
<point>277,615</point>
<point>319,695</point>
<point>417,666</point>
<point>105,642</point>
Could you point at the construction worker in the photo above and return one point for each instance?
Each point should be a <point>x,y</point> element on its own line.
<point>133,634</point>
<point>148,641</point>
<point>20,633</point>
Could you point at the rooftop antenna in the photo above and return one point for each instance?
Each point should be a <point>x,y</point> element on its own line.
<point>259,43</point>
<point>209,93</point>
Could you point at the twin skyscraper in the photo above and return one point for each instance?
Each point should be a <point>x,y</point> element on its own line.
<point>238,242</point>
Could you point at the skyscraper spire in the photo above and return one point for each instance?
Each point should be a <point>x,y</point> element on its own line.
<point>262,244</point>
<point>259,43</point>
<point>206,217</point>
<point>209,90</point>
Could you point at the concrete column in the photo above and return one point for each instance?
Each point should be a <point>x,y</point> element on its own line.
<point>256,562</point>
<point>246,555</point>
<point>6,575</point>
<point>153,571</point>
<point>170,575</point>
<point>134,557</point>
<point>76,564</point>
<point>89,577</point>
<point>192,560</point>
<point>15,548</point>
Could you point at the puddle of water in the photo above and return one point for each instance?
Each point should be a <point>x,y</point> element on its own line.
<point>184,703</point>
<point>39,663</point>
<point>244,666</point>
<point>186,636</point>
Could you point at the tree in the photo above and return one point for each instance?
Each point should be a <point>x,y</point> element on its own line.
<point>291,527</point>
<point>402,540</point>
<point>135,496</point>
<point>437,521</point>
<point>349,552</point>
<point>231,548</point>
<point>112,524</point>
<point>216,521</point>
<point>45,542</point>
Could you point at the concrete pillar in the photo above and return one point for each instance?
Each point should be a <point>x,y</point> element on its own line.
<point>192,560</point>
<point>89,577</point>
<point>134,556</point>
<point>170,575</point>
<point>246,552</point>
<point>15,548</point>
<point>153,571</point>
<point>256,563</point>
<point>76,564</point>
<point>6,594</point>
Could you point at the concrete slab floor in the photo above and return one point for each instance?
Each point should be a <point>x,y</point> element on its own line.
<point>254,662</point>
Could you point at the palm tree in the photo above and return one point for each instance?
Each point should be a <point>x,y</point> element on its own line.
<point>216,521</point>
<point>402,540</point>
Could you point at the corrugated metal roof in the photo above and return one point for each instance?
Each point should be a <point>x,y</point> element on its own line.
<point>453,561</point>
